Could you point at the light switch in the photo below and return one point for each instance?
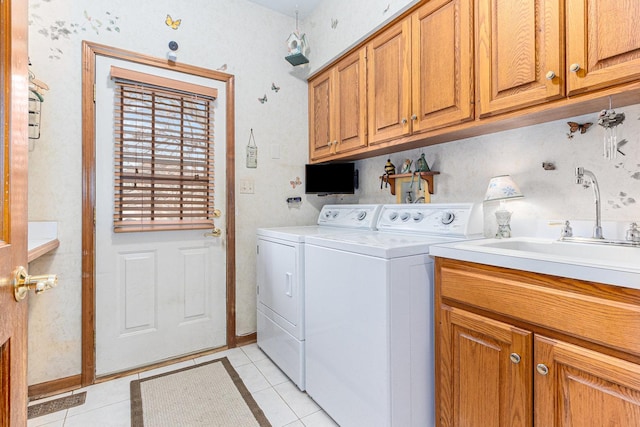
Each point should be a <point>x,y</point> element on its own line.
<point>246,186</point>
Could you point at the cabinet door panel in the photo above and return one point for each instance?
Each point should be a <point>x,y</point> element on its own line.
<point>480,386</point>
<point>584,388</point>
<point>389,84</point>
<point>518,42</point>
<point>602,38</point>
<point>351,103</point>
<point>320,117</point>
<point>442,72</point>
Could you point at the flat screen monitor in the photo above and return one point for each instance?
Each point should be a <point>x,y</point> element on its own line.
<point>331,178</point>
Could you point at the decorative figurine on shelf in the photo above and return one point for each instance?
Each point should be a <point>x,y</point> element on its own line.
<point>406,166</point>
<point>389,169</point>
<point>421,164</point>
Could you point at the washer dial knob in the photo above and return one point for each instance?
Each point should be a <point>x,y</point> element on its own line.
<point>448,217</point>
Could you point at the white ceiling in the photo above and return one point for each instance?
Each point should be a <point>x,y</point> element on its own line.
<point>289,7</point>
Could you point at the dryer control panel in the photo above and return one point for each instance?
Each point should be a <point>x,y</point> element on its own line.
<point>351,216</point>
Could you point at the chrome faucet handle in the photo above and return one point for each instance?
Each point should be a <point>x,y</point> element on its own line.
<point>566,230</point>
<point>633,234</point>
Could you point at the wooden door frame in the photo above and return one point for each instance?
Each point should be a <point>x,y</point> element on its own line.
<point>89,52</point>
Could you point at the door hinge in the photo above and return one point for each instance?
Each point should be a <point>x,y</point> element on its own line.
<point>94,93</point>
<point>257,249</point>
<point>94,216</point>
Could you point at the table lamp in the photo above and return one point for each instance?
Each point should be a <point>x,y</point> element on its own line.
<point>502,188</point>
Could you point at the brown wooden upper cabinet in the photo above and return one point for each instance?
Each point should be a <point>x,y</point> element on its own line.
<point>337,108</point>
<point>420,74</point>
<point>603,43</point>
<point>519,54</point>
<point>520,50</point>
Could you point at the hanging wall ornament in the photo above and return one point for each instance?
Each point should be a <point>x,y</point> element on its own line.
<point>610,120</point>
<point>252,152</point>
<point>297,45</point>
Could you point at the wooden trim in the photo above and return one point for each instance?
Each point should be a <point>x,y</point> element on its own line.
<point>247,339</point>
<point>150,79</point>
<point>38,251</point>
<point>89,53</point>
<point>231,216</point>
<point>51,388</point>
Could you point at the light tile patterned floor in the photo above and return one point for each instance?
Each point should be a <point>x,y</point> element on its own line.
<point>108,405</point>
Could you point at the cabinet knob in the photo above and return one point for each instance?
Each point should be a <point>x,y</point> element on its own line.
<point>414,117</point>
<point>515,358</point>
<point>404,121</point>
<point>574,68</point>
<point>329,143</point>
<point>542,369</point>
<point>550,75</point>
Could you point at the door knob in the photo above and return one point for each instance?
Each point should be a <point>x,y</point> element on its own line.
<point>23,282</point>
<point>216,232</point>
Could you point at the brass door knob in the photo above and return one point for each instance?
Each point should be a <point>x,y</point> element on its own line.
<point>216,232</point>
<point>23,282</point>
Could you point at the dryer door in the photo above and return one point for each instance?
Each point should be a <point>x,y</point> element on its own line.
<point>278,272</point>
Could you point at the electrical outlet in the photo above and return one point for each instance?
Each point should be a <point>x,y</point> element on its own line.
<point>246,186</point>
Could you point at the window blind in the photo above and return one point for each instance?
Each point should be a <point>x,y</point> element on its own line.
<point>164,154</point>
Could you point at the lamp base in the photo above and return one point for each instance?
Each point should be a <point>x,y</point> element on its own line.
<point>503,217</point>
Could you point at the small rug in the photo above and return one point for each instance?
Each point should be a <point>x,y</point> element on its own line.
<point>55,405</point>
<point>209,394</point>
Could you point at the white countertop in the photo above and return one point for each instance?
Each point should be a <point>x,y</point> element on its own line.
<point>42,238</point>
<point>621,269</point>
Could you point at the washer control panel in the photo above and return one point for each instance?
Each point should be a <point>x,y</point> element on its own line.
<point>351,216</point>
<point>447,219</point>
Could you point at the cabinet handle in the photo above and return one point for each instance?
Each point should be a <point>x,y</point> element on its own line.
<point>404,121</point>
<point>550,75</point>
<point>542,369</point>
<point>515,358</point>
<point>574,68</point>
<point>329,143</point>
<point>414,117</point>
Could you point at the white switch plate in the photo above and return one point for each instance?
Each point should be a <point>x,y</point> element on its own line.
<point>246,186</point>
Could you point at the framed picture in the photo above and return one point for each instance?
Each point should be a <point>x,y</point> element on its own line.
<point>416,192</point>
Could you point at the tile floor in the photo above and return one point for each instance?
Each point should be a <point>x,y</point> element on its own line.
<point>107,404</point>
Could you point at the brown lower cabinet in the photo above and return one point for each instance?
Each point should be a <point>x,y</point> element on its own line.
<point>523,349</point>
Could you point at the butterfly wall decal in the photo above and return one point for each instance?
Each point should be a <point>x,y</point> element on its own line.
<point>274,87</point>
<point>171,23</point>
<point>296,182</point>
<point>263,99</point>
<point>582,127</point>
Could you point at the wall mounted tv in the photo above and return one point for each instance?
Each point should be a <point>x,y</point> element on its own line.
<point>330,178</point>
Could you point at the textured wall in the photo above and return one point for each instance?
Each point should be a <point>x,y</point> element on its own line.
<point>246,37</point>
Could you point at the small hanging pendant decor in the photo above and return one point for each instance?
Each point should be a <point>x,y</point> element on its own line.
<point>252,152</point>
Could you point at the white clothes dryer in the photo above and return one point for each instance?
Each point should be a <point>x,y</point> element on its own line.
<point>369,315</point>
<point>280,282</point>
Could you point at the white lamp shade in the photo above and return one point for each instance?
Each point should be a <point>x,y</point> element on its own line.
<point>501,188</point>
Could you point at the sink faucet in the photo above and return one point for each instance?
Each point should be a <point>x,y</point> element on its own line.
<point>587,179</point>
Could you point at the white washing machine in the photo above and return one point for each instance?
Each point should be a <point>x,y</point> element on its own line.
<point>280,282</point>
<point>369,315</point>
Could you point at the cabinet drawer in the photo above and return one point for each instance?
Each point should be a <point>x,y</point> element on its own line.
<point>533,298</point>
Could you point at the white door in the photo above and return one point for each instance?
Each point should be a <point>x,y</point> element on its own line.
<point>162,294</point>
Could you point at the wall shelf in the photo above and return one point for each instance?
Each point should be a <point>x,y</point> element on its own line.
<point>427,176</point>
